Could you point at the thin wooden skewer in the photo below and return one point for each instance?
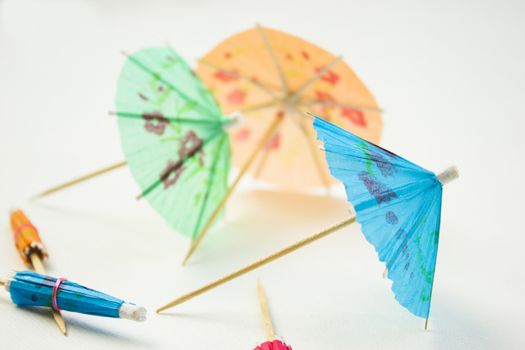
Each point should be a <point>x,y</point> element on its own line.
<point>257,264</point>
<point>264,140</point>
<point>280,71</point>
<point>38,266</point>
<point>79,180</point>
<point>265,312</point>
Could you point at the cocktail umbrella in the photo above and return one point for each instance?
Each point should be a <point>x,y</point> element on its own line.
<point>33,289</point>
<point>271,343</point>
<point>398,205</point>
<point>267,74</point>
<point>32,251</point>
<point>173,137</point>
<point>263,72</point>
<point>174,140</point>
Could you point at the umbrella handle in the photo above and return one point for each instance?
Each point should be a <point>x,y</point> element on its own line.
<point>257,264</point>
<point>269,133</point>
<point>79,180</point>
<point>265,312</point>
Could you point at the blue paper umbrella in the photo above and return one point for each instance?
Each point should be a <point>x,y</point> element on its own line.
<point>32,289</point>
<point>398,205</point>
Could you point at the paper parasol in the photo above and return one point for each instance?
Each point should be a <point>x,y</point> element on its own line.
<point>173,138</point>
<point>398,204</point>
<point>263,72</point>
<point>33,289</point>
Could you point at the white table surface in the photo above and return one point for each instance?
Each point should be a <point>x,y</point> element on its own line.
<point>451,78</point>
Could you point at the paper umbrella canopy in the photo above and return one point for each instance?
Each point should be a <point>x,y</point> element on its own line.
<point>275,344</point>
<point>398,205</point>
<point>263,73</point>
<point>173,137</point>
<point>32,289</point>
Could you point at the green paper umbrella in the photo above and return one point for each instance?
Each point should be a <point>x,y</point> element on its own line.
<point>173,137</point>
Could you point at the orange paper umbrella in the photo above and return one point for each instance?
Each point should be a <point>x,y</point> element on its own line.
<point>264,72</point>
<point>273,78</point>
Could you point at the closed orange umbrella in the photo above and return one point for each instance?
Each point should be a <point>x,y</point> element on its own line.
<point>263,73</point>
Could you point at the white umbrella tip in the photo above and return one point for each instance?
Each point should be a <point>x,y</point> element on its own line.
<point>235,119</point>
<point>451,173</point>
<point>132,312</point>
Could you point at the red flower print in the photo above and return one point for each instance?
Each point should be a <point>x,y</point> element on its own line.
<point>155,123</point>
<point>171,173</point>
<point>330,77</point>
<point>190,144</point>
<point>236,97</point>
<point>242,135</point>
<point>226,76</point>
<point>323,96</point>
<point>305,55</point>
<point>355,116</point>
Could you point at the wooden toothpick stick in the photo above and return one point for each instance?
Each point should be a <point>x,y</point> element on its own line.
<point>257,264</point>
<point>265,312</point>
<point>269,133</point>
<point>38,266</point>
<point>79,180</point>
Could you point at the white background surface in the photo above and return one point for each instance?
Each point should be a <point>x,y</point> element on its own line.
<point>451,78</point>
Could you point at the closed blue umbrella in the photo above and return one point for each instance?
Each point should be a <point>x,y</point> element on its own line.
<point>29,288</point>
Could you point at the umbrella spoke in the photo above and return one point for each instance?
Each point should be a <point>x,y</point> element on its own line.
<point>312,147</point>
<point>173,119</point>
<point>276,63</point>
<point>330,103</point>
<point>208,187</point>
<point>318,75</point>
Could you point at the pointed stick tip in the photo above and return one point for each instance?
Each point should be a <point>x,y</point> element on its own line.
<point>162,309</point>
<point>426,324</point>
<point>189,253</point>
